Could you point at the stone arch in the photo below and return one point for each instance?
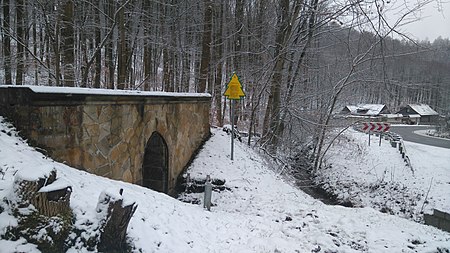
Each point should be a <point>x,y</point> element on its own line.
<point>155,166</point>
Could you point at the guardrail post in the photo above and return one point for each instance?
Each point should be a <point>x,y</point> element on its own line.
<point>208,193</point>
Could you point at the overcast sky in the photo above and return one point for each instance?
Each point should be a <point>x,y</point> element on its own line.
<point>433,21</point>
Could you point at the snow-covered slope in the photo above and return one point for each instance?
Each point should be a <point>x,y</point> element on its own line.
<point>258,213</point>
<point>377,176</point>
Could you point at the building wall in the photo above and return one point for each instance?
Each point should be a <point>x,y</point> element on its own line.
<point>406,111</point>
<point>106,135</point>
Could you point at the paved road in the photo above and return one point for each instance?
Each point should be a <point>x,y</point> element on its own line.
<point>407,133</point>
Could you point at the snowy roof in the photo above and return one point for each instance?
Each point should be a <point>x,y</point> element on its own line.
<point>92,91</point>
<point>366,109</point>
<point>423,109</point>
<point>351,108</point>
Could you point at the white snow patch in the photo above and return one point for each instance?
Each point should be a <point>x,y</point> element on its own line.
<point>377,176</point>
<point>58,184</point>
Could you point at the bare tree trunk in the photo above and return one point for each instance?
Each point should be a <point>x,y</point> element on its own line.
<point>122,53</point>
<point>98,55</point>
<point>293,75</point>
<point>20,15</point>
<point>48,203</point>
<point>147,60</point>
<point>186,72</point>
<point>147,66</point>
<point>50,54</point>
<point>35,50</point>
<point>109,56</point>
<point>118,216</point>
<point>167,68</point>
<point>6,43</point>
<point>238,16</point>
<point>238,59</point>
<point>206,46</point>
<point>68,41</point>
<point>271,119</point>
<point>218,51</point>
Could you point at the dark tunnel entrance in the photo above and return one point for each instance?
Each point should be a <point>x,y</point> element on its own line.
<point>155,171</point>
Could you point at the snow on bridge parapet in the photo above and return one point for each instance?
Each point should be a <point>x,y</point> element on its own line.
<point>90,91</point>
<point>76,94</point>
<point>107,132</point>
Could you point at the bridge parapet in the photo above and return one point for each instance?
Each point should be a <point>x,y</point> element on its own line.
<point>105,132</point>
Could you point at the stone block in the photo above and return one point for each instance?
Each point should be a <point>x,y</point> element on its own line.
<point>116,122</point>
<point>72,156</point>
<point>91,131</point>
<point>441,214</point>
<point>105,114</point>
<point>127,176</point>
<point>104,130</point>
<point>431,220</point>
<point>103,146</point>
<point>104,170</point>
<point>445,225</point>
<point>118,151</point>
<point>439,219</point>
<point>114,139</point>
<point>126,165</point>
<point>128,134</point>
<point>90,115</point>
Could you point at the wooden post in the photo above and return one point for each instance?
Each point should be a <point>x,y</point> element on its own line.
<point>54,202</point>
<point>114,229</point>
<point>48,200</point>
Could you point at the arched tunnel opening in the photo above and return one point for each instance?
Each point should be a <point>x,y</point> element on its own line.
<point>155,170</point>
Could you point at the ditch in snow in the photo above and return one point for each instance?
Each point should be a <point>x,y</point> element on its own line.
<point>304,181</point>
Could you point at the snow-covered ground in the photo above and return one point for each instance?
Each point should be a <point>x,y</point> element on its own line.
<point>260,212</point>
<point>377,176</point>
<point>433,133</point>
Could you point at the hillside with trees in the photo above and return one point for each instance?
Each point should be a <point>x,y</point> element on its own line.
<point>299,61</point>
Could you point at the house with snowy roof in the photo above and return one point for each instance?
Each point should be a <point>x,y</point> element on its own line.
<point>367,110</point>
<point>419,113</point>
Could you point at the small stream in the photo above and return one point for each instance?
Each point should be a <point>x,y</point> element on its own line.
<point>305,183</point>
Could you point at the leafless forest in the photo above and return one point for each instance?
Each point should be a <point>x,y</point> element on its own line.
<point>299,61</point>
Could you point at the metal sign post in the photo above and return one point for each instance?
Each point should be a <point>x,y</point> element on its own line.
<point>233,92</point>
<point>377,127</point>
<point>232,127</point>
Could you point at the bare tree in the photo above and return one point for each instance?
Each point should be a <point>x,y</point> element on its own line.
<point>68,42</point>
<point>206,46</point>
<point>6,43</point>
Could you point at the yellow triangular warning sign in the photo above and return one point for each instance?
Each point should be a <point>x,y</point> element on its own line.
<point>234,89</point>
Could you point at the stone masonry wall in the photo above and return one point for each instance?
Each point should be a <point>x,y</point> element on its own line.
<point>107,135</point>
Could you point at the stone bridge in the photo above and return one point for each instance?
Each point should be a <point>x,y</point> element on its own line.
<point>146,138</point>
